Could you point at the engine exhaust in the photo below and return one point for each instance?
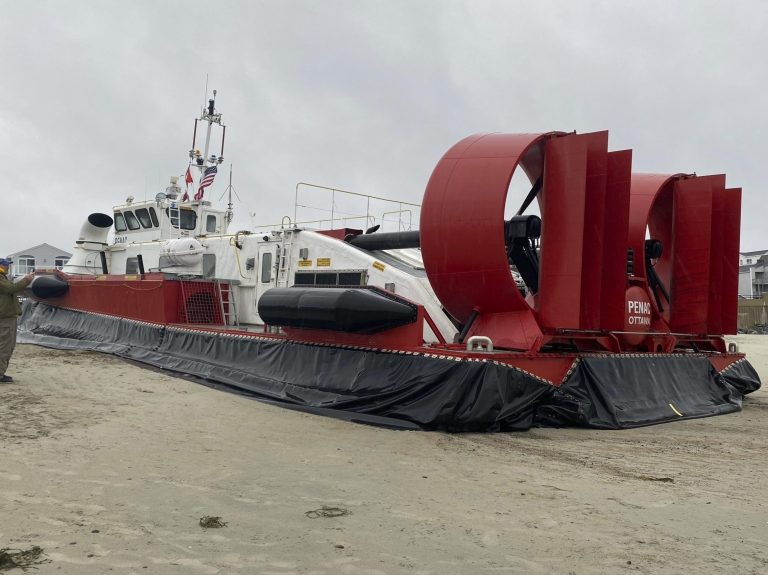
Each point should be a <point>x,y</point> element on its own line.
<point>95,230</point>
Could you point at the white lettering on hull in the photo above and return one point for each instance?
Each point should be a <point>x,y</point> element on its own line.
<point>638,313</point>
<point>635,306</point>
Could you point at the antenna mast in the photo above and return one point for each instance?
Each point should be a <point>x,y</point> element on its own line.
<point>230,213</point>
<point>209,115</point>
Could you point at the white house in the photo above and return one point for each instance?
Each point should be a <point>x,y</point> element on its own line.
<point>41,257</point>
<point>753,281</point>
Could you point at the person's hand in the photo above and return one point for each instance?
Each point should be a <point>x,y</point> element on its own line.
<point>29,277</point>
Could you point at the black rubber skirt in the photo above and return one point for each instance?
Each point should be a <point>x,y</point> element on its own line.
<point>408,391</point>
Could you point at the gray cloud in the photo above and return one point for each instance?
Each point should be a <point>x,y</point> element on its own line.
<point>98,97</point>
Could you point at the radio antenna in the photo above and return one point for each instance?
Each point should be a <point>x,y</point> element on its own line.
<point>205,95</point>
<point>229,214</point>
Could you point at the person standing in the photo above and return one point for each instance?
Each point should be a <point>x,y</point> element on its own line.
<point>9,311</point>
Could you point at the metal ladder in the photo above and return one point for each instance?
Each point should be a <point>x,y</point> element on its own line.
<point>174,213</point>
<point>284,265</point>
<point>227,303</point>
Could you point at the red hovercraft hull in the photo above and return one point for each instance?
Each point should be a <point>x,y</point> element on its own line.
<point>616,330</point>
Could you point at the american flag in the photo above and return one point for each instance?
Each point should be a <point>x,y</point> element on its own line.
<point>205,181</point>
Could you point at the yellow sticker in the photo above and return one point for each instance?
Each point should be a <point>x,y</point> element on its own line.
<point>305,263</point>
<point>131,277</point>
<point>101,278</point>
<point>323,262</point>
<point>379,266</point>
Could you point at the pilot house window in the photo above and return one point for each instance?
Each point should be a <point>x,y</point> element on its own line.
<point>188,218</point>
<point>130,219</point>
<point>143,215</point>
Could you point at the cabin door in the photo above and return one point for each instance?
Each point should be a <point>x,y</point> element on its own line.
<point>266,269</point>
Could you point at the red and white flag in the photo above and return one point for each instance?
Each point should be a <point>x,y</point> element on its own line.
<point>188,179</point>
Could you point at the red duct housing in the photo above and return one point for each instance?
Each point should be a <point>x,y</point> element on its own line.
<point>595,217</point>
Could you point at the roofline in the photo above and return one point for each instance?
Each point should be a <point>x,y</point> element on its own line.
<point>44,244</point>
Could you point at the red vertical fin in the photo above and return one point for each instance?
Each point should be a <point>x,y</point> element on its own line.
<point>729,228</point>
<point>716,252</point>
<point>614,272</point>
<point>594,229</point>
<point>691,240</point>
<point>562,217</point>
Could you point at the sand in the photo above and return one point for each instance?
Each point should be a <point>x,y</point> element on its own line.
<point>110,467</point>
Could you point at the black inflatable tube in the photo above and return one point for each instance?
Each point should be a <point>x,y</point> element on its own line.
<point>353,310</point>
<point>45,287</point>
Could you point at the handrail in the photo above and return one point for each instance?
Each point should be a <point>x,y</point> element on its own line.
<point>369,219</point>
<point>333,191</point>
<point>399,220</point>
<point>356,194</point>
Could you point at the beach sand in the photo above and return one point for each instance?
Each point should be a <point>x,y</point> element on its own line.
<point>109,467</point>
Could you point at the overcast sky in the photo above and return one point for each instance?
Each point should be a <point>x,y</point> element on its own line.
<point>98,97</point>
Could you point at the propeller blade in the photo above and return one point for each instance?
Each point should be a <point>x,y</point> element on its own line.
<point>530,197</point>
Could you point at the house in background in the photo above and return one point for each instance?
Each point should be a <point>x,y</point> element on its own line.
<point>750,258</point>
<point>753,281</point>
<point>42,257</point>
